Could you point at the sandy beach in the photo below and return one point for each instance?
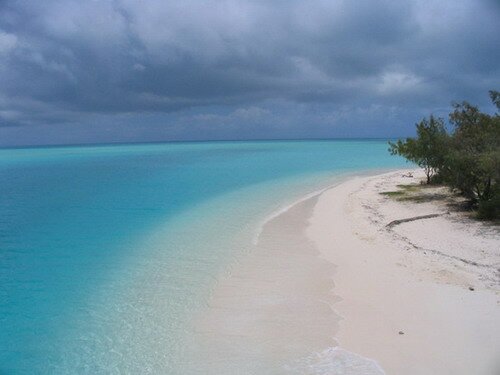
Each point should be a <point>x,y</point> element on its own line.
<point>330,288</point>
<point>434,280</point>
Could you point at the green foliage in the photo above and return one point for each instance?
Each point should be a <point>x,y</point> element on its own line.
<point>426,150</point>
<point>468,159</point>
<point>495,98</point>
<point>473,158</point>
<point>490,209</point>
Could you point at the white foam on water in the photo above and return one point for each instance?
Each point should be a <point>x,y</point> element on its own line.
<point>335,361</point>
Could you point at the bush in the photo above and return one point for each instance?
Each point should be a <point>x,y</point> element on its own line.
<point>427,149</point>
<point>468,159</point>
<point>490,209</point>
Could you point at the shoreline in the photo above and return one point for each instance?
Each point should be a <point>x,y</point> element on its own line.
<point>259,315</point>
<point>327,289</point>
<point>338,179</point>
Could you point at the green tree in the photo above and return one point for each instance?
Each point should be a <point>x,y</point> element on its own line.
<point>427,150</point>
<point>495,98</point>
<point>473,159</point>
<point>468,159</point>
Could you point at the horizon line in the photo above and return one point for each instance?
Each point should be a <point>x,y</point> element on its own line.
<point>131,143</point>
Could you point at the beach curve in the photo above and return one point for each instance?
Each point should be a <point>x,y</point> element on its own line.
<point>326,290</point>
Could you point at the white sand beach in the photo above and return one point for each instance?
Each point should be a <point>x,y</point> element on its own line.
<point>415,277</point>
<point>331,289</point>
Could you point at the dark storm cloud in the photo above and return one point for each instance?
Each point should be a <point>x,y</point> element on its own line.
<point>122,63</point>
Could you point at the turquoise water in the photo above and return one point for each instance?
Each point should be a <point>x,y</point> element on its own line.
<point>107,251</point>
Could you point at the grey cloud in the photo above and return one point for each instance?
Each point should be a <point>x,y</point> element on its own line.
<point>70,61</point>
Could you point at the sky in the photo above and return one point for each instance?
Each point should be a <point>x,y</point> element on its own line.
<point>91,71</point>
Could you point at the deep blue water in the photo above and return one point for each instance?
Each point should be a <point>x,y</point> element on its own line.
<point>75,239</point>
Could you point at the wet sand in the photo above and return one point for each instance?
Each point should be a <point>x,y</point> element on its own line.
<point>274,305</point>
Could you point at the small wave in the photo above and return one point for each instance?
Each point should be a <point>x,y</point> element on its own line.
<point>335,361</point>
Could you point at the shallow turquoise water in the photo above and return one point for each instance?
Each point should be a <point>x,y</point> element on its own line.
<point>106,251</point>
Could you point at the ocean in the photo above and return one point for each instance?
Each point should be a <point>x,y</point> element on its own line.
<point>108,251</point>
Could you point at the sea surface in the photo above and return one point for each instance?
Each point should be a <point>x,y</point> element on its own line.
<point>107,252</point>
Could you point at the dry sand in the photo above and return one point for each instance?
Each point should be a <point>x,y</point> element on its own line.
<point>413,277</point>
<point>328,279</point>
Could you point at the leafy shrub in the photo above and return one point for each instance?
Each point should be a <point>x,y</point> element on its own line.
<point>467,159</point>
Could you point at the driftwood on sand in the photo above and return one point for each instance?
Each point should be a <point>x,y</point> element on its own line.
<point>400,221</point>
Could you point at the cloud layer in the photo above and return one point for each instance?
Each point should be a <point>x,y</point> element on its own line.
<point>108,70</point>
